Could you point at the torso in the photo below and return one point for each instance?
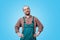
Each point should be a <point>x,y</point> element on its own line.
<point>28,30</point>
<point>28,21</point>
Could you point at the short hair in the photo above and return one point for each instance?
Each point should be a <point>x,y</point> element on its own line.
<point>26,6</point>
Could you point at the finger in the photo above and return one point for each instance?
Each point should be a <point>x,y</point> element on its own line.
<point>22,35</point>
<point>34,35</point>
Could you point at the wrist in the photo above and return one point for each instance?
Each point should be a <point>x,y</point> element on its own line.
<point>18,32</point>
<point>37,33</point>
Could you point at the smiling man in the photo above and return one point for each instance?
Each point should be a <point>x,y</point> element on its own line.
<point>28,24</point>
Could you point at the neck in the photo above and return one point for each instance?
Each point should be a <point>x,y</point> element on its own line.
<point>27,16</point>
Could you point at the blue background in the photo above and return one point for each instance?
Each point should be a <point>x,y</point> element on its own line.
<point>47,11</point>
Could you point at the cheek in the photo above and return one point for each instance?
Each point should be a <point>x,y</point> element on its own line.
<point>25,12</point>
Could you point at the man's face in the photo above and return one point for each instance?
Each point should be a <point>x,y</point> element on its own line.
<point>26,10</point>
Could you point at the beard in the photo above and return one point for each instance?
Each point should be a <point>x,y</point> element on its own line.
<point>28,13</point>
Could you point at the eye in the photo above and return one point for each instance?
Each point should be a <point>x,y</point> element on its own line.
<point>24,9</point>
<point>27,8</point>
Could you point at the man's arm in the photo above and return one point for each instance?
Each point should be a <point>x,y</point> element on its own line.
<point>17,26</point>
<point>40,26</point>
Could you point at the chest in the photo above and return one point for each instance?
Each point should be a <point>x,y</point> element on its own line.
<point>28,21</point>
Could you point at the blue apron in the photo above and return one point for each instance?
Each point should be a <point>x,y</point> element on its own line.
<point>28,31</point>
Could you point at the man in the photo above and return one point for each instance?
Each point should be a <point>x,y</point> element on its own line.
<point>28,24</point>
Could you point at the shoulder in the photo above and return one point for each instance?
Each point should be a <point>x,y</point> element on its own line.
<point>21,19</point>
<point>35,18</point>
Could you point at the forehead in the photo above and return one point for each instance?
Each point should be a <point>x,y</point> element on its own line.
<point>25,7</point>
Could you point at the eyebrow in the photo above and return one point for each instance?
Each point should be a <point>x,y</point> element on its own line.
<point>28,8</point>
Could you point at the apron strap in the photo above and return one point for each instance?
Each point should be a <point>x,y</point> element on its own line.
<point>33,19</point>
<point>24,19</point>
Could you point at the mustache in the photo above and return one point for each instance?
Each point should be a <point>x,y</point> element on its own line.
<point>27,14</point>
<point>27,11</point>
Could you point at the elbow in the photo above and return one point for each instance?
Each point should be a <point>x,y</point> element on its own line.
<point>16,29</point>
<point>42,27</point>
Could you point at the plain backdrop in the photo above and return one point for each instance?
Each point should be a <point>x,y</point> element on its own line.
<point>47,11</point>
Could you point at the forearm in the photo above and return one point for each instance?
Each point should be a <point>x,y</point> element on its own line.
<point>40,29</point>
<point>16,29</point>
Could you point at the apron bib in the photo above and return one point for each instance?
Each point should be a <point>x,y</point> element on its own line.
<point>28,31</point>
